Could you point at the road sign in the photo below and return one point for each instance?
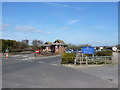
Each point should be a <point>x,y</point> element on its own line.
<point>114,48</point>
<point>87,50</point>
<point>6,50</point>
<point>37,51</point>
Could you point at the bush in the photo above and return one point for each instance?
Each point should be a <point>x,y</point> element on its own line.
<point>68,58</point>
<point>104,53</point>
<point>90,62</point>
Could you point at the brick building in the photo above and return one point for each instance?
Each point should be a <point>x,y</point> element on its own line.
<point>57,47</point>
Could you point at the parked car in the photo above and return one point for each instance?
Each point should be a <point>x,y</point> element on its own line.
<point>69,51</point>
<point>79,50</point>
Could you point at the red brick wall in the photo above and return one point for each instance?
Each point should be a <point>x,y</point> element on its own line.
<point>61,50</point>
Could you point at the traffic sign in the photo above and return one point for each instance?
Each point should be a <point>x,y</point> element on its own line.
<point>87,50</point>
<point>114,48</point>
<point>37,51</point>
<point>6,50</point>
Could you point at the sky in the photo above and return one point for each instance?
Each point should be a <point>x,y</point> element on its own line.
<point>94,23</point>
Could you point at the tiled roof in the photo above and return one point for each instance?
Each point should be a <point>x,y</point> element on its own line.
<point>59,41</point>
<point>48,42</point>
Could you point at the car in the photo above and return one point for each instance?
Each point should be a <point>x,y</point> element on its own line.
<point>74,50</point>
<point>69,51</point>
<point>79,50</point>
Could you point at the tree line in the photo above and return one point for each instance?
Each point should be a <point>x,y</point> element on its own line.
<point>16,46</point>
<point>72,46</point>
<point>24,45</point>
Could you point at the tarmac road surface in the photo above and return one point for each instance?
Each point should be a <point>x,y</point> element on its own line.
<point>24,72</point>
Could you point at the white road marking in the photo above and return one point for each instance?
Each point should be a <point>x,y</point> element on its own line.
<point>17,85</point>
<point>54,64</point>
<point>25,59</point>
<point>25,56</point>
<point>15,55</point>
<point>40,62</point>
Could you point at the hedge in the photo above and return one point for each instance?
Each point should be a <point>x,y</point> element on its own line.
<point>68,58</point>
<point>104,53</point>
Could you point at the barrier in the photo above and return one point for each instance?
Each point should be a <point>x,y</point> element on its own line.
<point>95,60</point>
<point>6,55</point>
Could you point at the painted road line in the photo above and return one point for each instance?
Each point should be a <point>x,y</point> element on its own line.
<point>40,62</point>
<point>15,55</point>
<point>25,59</point>
<point>47,57</point>
<point>25,56</point>
<point>54,64</point>
<point>29,58</point>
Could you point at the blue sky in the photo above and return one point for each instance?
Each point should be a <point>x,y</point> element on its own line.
<point>76,22</point>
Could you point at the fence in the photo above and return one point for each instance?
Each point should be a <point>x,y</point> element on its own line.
<point>93,60</point>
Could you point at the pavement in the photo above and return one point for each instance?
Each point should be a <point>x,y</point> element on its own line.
<point>47,72</point>
<point>107,72</point>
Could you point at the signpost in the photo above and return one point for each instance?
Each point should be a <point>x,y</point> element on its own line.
<point>87,50</point>
<point>114,48</point>
<point>6,50</point>
<point>36,52</point>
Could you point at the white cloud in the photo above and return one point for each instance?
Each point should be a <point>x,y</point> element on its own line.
<point>4,26</point>
<point>48,32</point>
<point>72,21</point>
<point>56,4</point>
<point>64,28</point>
<point>28,29</point>
<point>61,5</point>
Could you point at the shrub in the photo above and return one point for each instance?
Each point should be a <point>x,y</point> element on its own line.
<point>90,62</point>
<point>68,58</point>
<point>104,53</point>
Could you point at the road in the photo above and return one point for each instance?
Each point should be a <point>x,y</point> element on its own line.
<point>24,72</point>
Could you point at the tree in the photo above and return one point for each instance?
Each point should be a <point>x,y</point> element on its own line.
<point>85,45</point>
<point>36,43</point>
<point>72,46</point>
<point>25,41</point>
<point>118,46</point>
<point>24,44</point>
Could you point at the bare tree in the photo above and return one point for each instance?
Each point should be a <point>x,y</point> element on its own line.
<point>24,44</point>
<point>36,43</point>
<point>72,46</point>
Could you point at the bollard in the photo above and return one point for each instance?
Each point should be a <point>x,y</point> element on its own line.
<point>6,55</point>
<point>86,61</point>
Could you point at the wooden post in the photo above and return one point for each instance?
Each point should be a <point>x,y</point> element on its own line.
<point>80,61</point>
<point>35,54</point>
<point>82,57</point>
<point>75,61</point>
<point>93,57</point>
<point>105,62</point>
<point>86,61</point>
<point>96,63</point>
